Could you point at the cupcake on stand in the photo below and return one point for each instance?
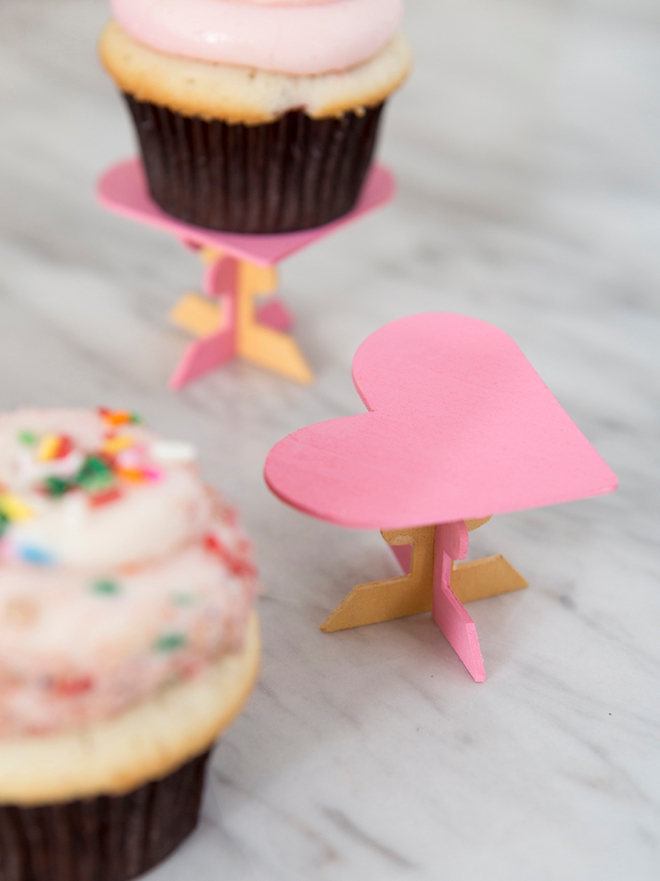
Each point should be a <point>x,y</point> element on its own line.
<point>257,123</point>
<point>256,116</point>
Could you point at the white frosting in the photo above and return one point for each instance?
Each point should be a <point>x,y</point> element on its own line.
<point>147,523</point>
<point>120,571</point>
<point>151,519</point>
<point>71,654</point>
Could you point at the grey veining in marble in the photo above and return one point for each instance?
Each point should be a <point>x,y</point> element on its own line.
<point>527,146</point>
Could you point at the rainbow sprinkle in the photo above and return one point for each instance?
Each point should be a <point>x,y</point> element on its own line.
<point>118,417</point>
<point>106,587</point>
<point>152,474</point>
<point>121,459</point>
<point>35,555</point>
<point>56,487</point>
<point>170,642</point>
<point>98,500</point>
<point>14,509</point>
<point>54,446</point>
<point>241,568</point>
<point>73,687</point>
<point>102,477</point>
<point>96,475</point>
<point>131,475</point>
<point>117,443</point>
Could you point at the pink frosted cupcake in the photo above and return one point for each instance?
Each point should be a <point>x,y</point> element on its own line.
<point>256,116</point>
<point>127,643</point>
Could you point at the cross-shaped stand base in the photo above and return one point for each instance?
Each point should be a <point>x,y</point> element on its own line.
<point>229,324</point>
<point>435,583</point>
<point>227,320</point>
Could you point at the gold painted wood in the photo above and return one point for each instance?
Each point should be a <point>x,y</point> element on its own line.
<point>412,594</point>
<point>488,577</point>
<point>198,315</point>
<point>262,345</point>
<point>202,316</point>
<point>209,256</point>
<point>471,525</point>
<point>393,597</point>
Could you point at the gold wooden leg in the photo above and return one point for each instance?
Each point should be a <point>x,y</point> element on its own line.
<point>209,256</point>
<point>196,314</point>
<point>393,597</point>
<point>262,345</point>
<point>412,594</point>
<point>489,577</point>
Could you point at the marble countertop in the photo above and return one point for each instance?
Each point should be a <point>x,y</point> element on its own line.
<point>526,147</point>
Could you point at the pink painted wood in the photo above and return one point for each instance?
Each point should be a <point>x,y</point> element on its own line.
<point>276,315</point>
<point>204,355</point>
<point>221,278</point>
<point>461,427</point>
<point>208,353</point>
<point>403,554</point>
<point>451,543</point>
<point>123,190</point>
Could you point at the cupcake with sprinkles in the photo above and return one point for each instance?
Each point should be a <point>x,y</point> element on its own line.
<point>128,642</point>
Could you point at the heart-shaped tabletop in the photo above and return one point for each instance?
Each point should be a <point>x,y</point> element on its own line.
<point>461,427</point>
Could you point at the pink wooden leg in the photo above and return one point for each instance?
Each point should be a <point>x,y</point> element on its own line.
<point>403,554</point>
<point>204,355</point>
<point>212,351</point>
<point>451,543</point>
<point>221,281</point>
<point>221,277</point>
<point>275,315</point>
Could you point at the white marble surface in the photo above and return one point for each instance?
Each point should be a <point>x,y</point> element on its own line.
<point>527,146</point>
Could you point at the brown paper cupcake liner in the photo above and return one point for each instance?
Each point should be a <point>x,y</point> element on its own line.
<point>291,174</point>
<point>102,839</point>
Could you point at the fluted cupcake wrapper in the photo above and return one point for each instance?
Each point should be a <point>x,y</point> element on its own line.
<point>102,839</point>
<point>291,174</point>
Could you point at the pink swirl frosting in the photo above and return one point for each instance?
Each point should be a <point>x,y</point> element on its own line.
<point>301,37</point>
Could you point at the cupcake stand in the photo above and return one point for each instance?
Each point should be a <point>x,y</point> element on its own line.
<point>460,427</point>
<point>239,271</point>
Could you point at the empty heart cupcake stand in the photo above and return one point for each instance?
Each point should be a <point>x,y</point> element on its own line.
<point>460,427</point>
<point>237,314</point>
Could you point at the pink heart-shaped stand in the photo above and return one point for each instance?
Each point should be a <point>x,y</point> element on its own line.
<point>460,427</point>
<point>256,333</point>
